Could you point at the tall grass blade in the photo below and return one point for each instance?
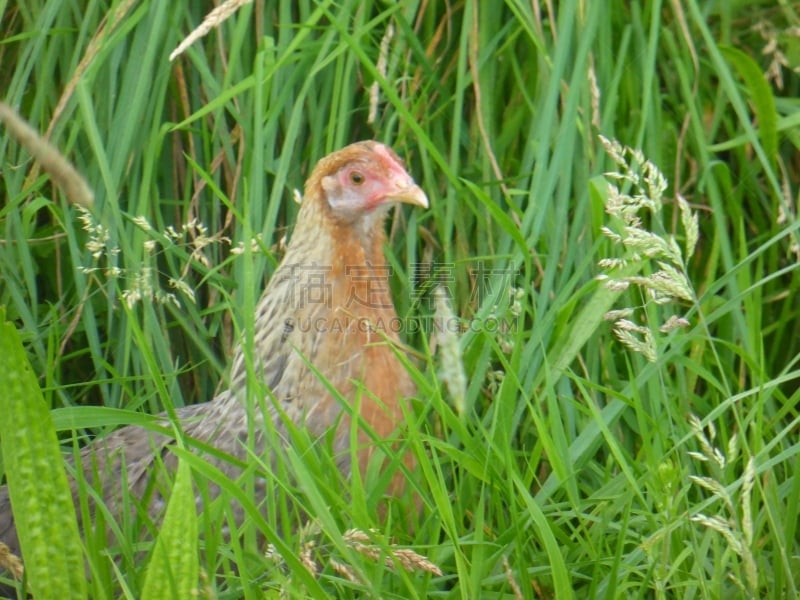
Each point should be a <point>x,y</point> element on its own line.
<point>37,482</point>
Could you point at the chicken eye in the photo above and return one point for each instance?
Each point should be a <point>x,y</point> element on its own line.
<point>357,178</point>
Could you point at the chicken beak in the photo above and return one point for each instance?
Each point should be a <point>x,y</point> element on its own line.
<point>411,194</point>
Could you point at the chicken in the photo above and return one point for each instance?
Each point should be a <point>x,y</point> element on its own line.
<point>327,306</point>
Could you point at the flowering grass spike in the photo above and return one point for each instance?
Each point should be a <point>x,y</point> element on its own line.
<point>652,261</point>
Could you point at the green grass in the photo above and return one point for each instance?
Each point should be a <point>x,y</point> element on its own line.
<point>576,470</point>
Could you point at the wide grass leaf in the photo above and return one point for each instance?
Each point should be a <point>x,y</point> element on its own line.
<point>761,97</point>
<point>37,483</point>
<point>174,567</point>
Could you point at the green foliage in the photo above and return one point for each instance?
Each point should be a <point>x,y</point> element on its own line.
<point>575,468</point>
<point>173,571</point>
<point>37,483</point>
